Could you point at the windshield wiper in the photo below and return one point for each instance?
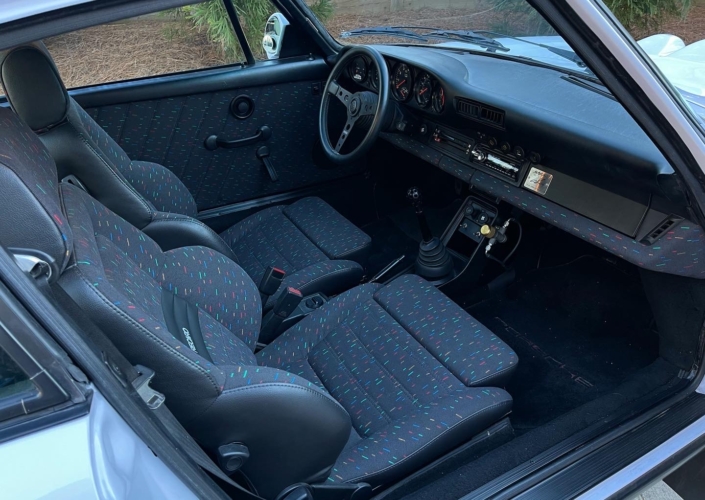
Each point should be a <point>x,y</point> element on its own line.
<point>465,36</point>
<point>564,53</point>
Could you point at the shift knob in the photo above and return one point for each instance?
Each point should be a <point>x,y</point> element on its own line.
<point>414,196</point>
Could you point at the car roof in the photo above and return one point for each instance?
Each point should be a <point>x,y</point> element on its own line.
<point>24,21</point>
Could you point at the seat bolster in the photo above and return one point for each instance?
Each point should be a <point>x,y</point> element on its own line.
<point>172,230</point>
<point>189,382</point>
<point>293,430</point>
<point>336,236</point>
<point>160,186</point>
<point>415,440</point>
<point>329,277</point>
<point>77,154</point>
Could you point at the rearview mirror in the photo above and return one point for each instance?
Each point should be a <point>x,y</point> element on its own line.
<point>274,35</point>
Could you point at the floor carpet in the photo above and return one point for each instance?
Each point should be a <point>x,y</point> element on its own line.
<point>578,329</point>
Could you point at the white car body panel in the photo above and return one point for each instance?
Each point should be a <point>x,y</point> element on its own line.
<point>94,457</point>
<point>19,9</point>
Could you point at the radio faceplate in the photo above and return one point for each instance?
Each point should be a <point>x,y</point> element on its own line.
<point>482,153</point>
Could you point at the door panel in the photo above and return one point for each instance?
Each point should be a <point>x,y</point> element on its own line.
<point>171,130</point>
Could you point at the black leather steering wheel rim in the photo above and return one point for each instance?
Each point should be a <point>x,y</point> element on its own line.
<point>357,104</point>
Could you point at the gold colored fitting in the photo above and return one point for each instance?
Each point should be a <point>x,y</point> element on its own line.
<point>488,231</point>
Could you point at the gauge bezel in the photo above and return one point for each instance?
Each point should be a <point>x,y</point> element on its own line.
<point>417,89</point>
<point>351,73</point>
<point>438,88</point>
<point>395,91</point>
<point>373,81</point>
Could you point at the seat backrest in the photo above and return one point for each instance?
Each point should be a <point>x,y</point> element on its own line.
<point>136,190</point>
<point>191,314</point>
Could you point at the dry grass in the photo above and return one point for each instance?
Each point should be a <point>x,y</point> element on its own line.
<point>131,49</point>
<point>691,29</point>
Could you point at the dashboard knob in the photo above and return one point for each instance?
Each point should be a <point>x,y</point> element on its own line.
<point>518,152</point>
<point>492,142</point>
<point>534,157</point>
<point>505,147</point>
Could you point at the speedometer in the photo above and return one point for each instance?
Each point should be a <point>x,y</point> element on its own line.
<point>423,90</point>
<point>358,70</point>
<point>402,82</point>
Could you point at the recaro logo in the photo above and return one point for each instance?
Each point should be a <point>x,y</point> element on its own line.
<point>189,340</point>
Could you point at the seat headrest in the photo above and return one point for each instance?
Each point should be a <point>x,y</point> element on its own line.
<point>33,86</point>
<point>29,194</point>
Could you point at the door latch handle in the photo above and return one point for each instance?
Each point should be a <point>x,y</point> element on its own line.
<point>214,142</point>
<point>263,155</point>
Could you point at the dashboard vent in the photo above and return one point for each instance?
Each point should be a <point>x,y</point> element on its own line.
<point>480,112</point>
<point>662,228</point>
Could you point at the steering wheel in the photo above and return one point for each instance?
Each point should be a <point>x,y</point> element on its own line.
<point>359,105</point>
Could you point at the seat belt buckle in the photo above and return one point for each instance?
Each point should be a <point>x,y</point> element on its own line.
<point>271,281</point>
<point>287,302</point>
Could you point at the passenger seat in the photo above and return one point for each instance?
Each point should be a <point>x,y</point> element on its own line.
<point>375,384</point>
<point>319,249</point>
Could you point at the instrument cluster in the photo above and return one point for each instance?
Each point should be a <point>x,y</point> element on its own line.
<point>407,84</point>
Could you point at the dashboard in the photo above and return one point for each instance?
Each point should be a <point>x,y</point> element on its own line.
<point>536,129</point>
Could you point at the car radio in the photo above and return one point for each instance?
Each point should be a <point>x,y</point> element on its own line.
<point>483,153</point>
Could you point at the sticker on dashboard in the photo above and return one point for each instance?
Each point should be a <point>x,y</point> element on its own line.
<point>538,181</point>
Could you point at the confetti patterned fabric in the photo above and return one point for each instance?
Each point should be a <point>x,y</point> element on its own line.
<point>680,251</point>
<point>403,360</point>
<point>404,365</point>
<point>30,173</point>
<point>170,131</point>
<point>300,238</point>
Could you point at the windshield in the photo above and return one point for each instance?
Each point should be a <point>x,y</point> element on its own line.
<point>671,32</point>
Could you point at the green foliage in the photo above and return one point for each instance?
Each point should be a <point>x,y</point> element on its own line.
<point>647,15</point>
<point>253,14</point>
<point>520,19</point>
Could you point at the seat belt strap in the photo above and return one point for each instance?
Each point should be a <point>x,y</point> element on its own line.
<point>137,377</point>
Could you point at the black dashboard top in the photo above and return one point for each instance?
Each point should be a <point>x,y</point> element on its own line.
<point>538,128</point>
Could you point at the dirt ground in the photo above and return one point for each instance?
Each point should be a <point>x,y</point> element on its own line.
<point>155,45</point>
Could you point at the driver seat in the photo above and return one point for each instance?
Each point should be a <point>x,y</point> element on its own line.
<point>318,248</point>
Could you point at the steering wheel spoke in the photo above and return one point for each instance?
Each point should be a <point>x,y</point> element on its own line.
<point>346,132</point>
<point>343,95</point>
<point>372,109</point>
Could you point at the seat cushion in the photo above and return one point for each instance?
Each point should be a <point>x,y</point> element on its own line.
<point>307,240</point>
<point>405,362</point>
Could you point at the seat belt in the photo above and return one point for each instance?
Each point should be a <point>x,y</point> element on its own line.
<point>138,377</point>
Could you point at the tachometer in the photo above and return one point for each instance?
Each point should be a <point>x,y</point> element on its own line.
<point>402,82</point>
<point>423,90</point>
<point>358,70</point>
<point>438,99</point>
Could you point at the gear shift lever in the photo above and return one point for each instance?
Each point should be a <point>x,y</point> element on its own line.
<point>433,261</point>
<point>414,196</point>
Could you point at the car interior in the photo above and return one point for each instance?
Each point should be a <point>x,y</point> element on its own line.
<point>471,274</point>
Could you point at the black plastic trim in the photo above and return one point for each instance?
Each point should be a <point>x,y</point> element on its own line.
<point>237,27</point>
<point>581,443</point>
<point>40,359</point>
<point>295,69</point>
<point>570,481</point>
<point>43,420</point>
